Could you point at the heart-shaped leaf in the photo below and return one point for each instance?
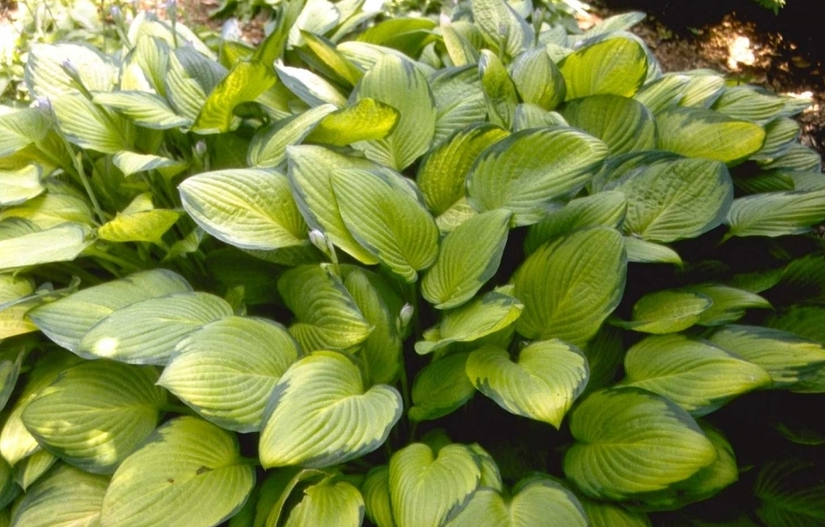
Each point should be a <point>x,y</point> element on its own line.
<point>538,79</point>
<point>615,66</point>
<point>328,503</point>
<point>244,82</point>
<point>623,124</point>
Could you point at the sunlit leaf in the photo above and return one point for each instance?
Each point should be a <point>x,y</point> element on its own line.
<point>244,82</point>
<point>328,503</point>
<point>776,213</point>
<point>367,119</point>
<point>623,124</point>
<point>142,108</point>
<point>58,244</point>
<point>706,134</point>
<point>20,185</point>
<point>67,496</point>
<point>615,66</point>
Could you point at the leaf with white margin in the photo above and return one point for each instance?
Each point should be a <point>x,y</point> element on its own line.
<point>311,88</point>
<point>131,163</point>
<point>699,133</point>
<point>528,170</point>
<point>268,147</point>
<point>536,501</point>
<point>499,91</point>
<point>45,76</point>
<point>502,26</point>
<point>376,491</point>
<point>96,413</point>
<point>327,316</point>
<point>62,243</point>
<point>691,372</point>
<point>21,185</point>
<point>90,126</point>
<point>146,332</point>
<point>396,82</point>
<point>603,514</point>
<point>17,296</point>
<point>729,303</point>
<point>226,370</point>
<point>788,358</point>
<point>20,128</point>
<point>188,472</point>
<point>570,286</point>
<point>67,320</point>
<point>748,104</point>
<point>441,387</point>
<point>366,119</point>
<point>320,414</point>
<point>624,124</point>
<point>615,66</point>
<point>469,256</point>
<point>630,441</point>
<point>248,208</point>
<point>386,217</point>
<point>667,312</point>
<point>428,487</point>
<point>538,79</point>
<point>142,108</point>
<point>642,251</point>
<point>776,213</point>
<point>329,502</point>
<point>483,316</point>
<point>66,497</point>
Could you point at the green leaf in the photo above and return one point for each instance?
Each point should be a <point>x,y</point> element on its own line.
<point>540,384</point>
<point>89,126</point>
<point>499,90</point>
<point>139,222</point>
<point>247,208</point>
<point>699,133</point>
<point>691,372</point>
<point>798,157</point>
<point>483,316</point>
<point>67,320</point>
<point>21,185</point>
<point>146,332</point>
<point>804,321</point>
<point>131,163</point>
<point>21,128</point>
<point>641,251</point>
<point>188,77</point>
<point>61,203</point>
<point>328,503</point>
<point>459,48</point>
<point>327,316</point>
<point>142,108</point>
<point>268,147</point>
<point>427,487</point>
<point>625,125</point>
<point>188,472</point>
<point>95,414</point>
<point>702,90</point>
<point>14,292</point>
<point>309,417</point>
<point>312,89</point>
<point>62,243</point>
<point>244,83</point>
<point>538,79</point>
<point>790,495</point>
<point>8,488</point>
<point>615,66</point>
<point>630,441</point>
<point>332,58</point>
<point>10,364</point>
<point>469,256</point>
<point>729,303</point>
<point>776,213</point>
<point>441,388</point>
<point>459,100</point>
<point>571,286</point>
<point>384,215</point>
<point>667,311</point>
<point>406,34</point>
<point>603,514</point>
<point>780,135</point>
<point>46,77</point>
<point>502,26</point>
<point>747,104</point>
<point>226,370</point>
<point>68,496</point>
<point>28,470</point>
<point>528,170</point>
<point>532,116</point>
<point>366,119</point>
<point>376,491</point>
<point>395,82</point>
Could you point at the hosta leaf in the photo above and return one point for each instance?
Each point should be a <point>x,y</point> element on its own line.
<point>623,124</point>
<point>615,66</point>
<point>188,78</point>
<point>66,497</point>
<point>502,26</point>
<point>11,362</point>
<point>536,502</point>
<point>268,147</point>
<point>67,320</point>
<point>440,388</point>
<point>139,226</point>
<point>8,488</point>
<point>667,311</point>
<point>146,332</point>
<point>61,203</point>
<point>29,469</point>
<point>427,487</point>
<point>131,163</point>
<point>332,58</point>
<point>459,100</point>
<point>327,316</point>
<point>396,82</point>
<point>459,47</point>
<point>142,108</point>
<point>247,208</point>
<point>469,256</point>
<point>245,81</point>
<point>702,90</point>
<point>20,185</point>
<point>797,157</point>
<point>532,116</point>
<point>14,290</point>
<point>541,384</point>
<point>366,119</point>
<point>313,89</point>
<point>729,303</point>
<point>787,358</point>
<point>376,491</point>
<point>641,251</point>
<point>89,126</point>
<point>328,503</point>
<point>675,199</point>
<point>747,104</point>
<point>630,441</point>
<point>387,219</point>
<point>95,414</point>
<point>483,316</point>
<point>804,321</point>
<point>570,287</point>
<point>780,135</point>
<point>776,213</point>
<point>21,128</point>
<point>226,370</point>
<point>526,171</point>
<point>406,34</point>
<point>189,472</point>
<point>691,372</point>
<point>699,133</point>
<point>499,90</point>
<point>538,79</point>
<point>790,495</point>
<point>603,514</point>
<point>46,77</point>
<point>663,93</point>
<point>62,243</point>
<point>321,414</point>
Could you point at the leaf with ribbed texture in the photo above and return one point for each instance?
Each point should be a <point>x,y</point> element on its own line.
<point>328,503</point>
<point>366,119</point>
<point>311,88</point>
<point>807,180</point>
<point>747,104</point>
<point>804,321</point>
<point>469,256</point>
<point>62,243</point>
<point>8,488</point>
<point>188,78</point>
<point>142,108</point>
<point>790,495</point>
<point>376,491</point>
<point>440,388</point>
<point>528,170</point>
<point>89,126</point>
<point>327,316</point>
<point>642,251</point>
<point>61,203</point>
<point>571,286</point>
<point>459,47</point>
<point>11,362</point>
<point>674,199</point>
<point>310,174</point>
<point>702,90</point>
<point>244,82</point>
<point>699,133</point>
<point>663,93</point>
<point>459,100</point>
<point>17,296</point>
<point>248,208</point>
<point>483,316</point>
<point>538,79</point>
<point>226,370</point>
<point>540,384</point>
<point>332,58</point>
<point>788,358</point>
<point>29,469</point>
<point>797,157</point>
<point>21,185</point>
<point>67,497</point>
<point>537,501</point>
<point>667,311</point>
<point>146,332</point>
<point>693,373</point>
<point>615,66</point>
<point>45,76</point>
<point>427,487</point>
<point>776,213</point>
<point>139,222</point>
<point>502,26</point>
<point>499,91</point>
<point>131,163</point>
<point>67,320</point>
<point>532,116</point>
<point>780,135</point>
<point>729,303</point>
<point>630,441</point>
<point>95,414</point>
<point>625,125</point>
<point>386,217</point>
<point>21,128</point>
<point>397,83</point>
<point>603,514</point>
<point>321,414</point>
<point>188,473</point>
<point>268,147</point>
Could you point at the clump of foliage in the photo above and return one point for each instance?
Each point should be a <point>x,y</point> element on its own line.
<point>773,5</point>
<point>469,272</point>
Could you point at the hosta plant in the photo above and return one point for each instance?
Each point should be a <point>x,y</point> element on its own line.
<point>471,271</point>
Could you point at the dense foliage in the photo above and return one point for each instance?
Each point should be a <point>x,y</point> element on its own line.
<point>264,286</point>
